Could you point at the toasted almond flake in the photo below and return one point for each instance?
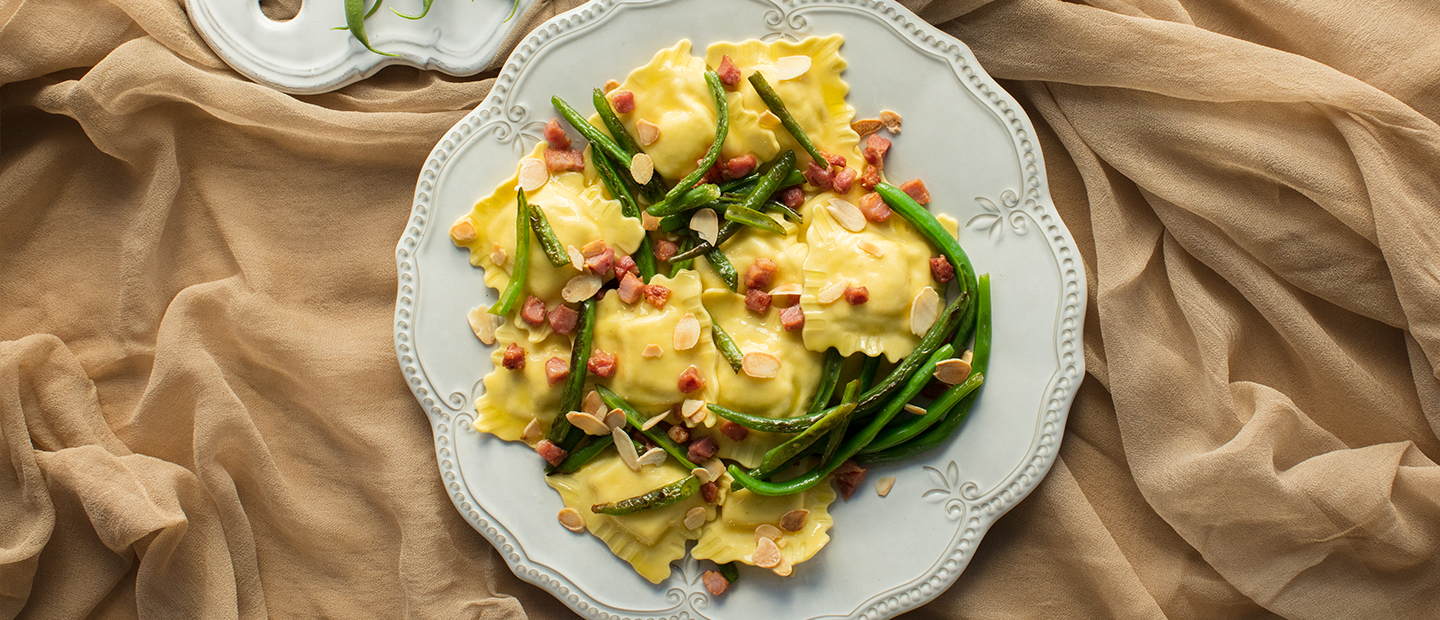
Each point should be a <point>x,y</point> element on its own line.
<point>832,292</point>
<point>847,215</point>
<point>652,350</point>
<point>588,423</point>
<point>626,449</point>
<point>924,309</point>
<point>715,467</point>
<point>913,410</point>
<point>791,67</point>
<point>532,430</point>
<point>767,555</point>
<point>581,288</point>
<point>792,288</point>
<point>701,474</point>
<point>867,126</point>
<point>483,324</point>
<point>464,231</point>
<point>768,120</point>
<point>760,365</point>
<point>891,120</point>
<point>498,255</point>
<point>969,356</point>
<point>611,85</point>
<point>952,371</point>
<point>649,132</point>
<point>794,520</point>
<point>687,332</point>
<point>691,408</point>
<point>593,404</point>
<point>615,419</point>
<point>641,168</point>
<point>577,259</point>
<point>649,222</point>
<point>883,485</point>
<point>766,531</point>
<point>533,174</point>
<point>653,456</point>
<point>871,248</point>
<point>571,519</point>
<point>706,224</point>
<point>695,518</point>
<point>784,568</point>
<point>594,248</point>
<point>649,424</point>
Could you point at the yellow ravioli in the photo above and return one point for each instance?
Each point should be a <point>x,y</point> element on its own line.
<point>651,384</point>
<point>731,537</point>
<point>514,397</point>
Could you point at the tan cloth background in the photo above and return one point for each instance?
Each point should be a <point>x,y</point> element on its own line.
<point>202,414</point>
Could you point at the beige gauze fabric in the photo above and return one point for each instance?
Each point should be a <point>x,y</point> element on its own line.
<point>201,415</point>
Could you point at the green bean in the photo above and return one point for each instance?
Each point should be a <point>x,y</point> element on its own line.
<point>723,268</point>
<point>980,364</point>
<point>852,445</point>
<point>740,183</point>
<point>770,182</point>
<point>659,498</point>
<point>597,138</point>
<point>561,432</point>
<point>727,230</point>
<point>722,129</point>
<point>554,251</point>
<point>355,22</point>
<point>672,223</point>
<point>693,198</point>
<point>938,332</point>
<point>837,434</point>
<point>770,425</point>
<point>754,219</point>
<point>522,258</point>
<point>902,432</point>
<point>928,226</point>
<point>676,266</point>
<point>726,346</point>
<point>423,11</point>
<point>644,256</point>
<point>785,452</point>
<point>868,370</point>
<point>777,107</point>
<point>729,572</point>
<point>774,207</point>
<point>633,417</point>
<point>653,190</point>
<point>829,378</point>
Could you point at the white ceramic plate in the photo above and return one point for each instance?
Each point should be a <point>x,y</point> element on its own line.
<point>975,150</point>
<point>305,55</point>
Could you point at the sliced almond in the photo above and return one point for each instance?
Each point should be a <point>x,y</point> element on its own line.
<point>594,248</point>
<point>794,520</point>
<point>626,449</point>
<point>891,120</point>
<point>498,255</point>
<point>714,467</point>
<point>701,474</point>
<point>653,456</point>
<point>760,365</point>
<point>610,85</point>
<point>652,350</point>
<point>464,231</point>
<point>695,518</point>
<point>706,224</point>
<point>532,430</point>
<point>767,555</point>
<point>483,324</point>
<point>649,424</point>
<point>581,288</point>
<point>768,120</point>
<point>687,332</point>
<point>952,371</point>
<point>784,568</point>
<point>832,292</point>
<point>867,126</point>
<point>593,404</point>
<point>765,531</point>
<point>692,408</point>
<point>588,423</point>
<point>847,215</point>
<point>913,410</point>
<point>883,485</point>
<point>924,310</point>
<point>969,356</point>
<point>871,248</point>
<point>641,168</point>
<point>785,291</point>
<point>791,67</point>
<point>615,419</point>
<point>649,222</point>
<point>649,132</point>
<point>533,174</point>
<point>577,258</point>
<point>571,519</point>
